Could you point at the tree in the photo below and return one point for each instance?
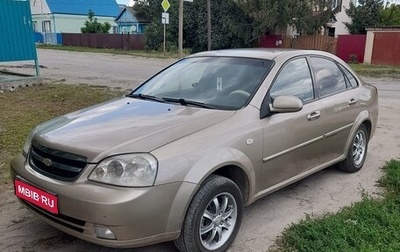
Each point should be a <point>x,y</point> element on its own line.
<point>390,16</point>
<point>151,10</point>
<point>366,14</point>
<point>230,25</point>
<point>318,16</point>
<point>93,26</point>
<point>264,15</point>
<point>235,23</point>
<point>148,9</point>
<point>268,15</point>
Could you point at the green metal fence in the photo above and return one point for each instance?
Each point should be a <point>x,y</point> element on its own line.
<point>16,32</point>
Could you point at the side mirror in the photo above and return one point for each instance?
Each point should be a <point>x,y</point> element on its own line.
<point>285,104</point>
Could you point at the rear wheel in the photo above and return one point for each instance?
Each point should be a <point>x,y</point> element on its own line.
<point>357,152</point>
<point>213,218</point>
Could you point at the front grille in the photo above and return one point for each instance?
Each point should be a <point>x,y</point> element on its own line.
<point>61,219</point>
<point>56,164</point>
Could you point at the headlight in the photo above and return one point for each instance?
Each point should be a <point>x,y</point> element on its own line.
<point>133,170</point>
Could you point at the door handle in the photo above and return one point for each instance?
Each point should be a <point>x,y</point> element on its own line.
<point>314,115</point>
<point>353,101</point>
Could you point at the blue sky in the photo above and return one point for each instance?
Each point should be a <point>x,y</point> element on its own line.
<point>122,1</point>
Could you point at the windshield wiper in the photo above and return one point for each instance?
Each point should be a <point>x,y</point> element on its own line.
<point>185,102</point>
<point>145,97</point>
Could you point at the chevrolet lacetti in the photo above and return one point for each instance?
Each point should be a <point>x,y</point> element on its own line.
<point>179,156</point>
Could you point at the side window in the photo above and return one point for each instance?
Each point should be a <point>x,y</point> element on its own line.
<point>330,79</point>
<point>294,79</point>
<point>352,81</point>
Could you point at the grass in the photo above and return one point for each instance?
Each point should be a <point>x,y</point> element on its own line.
<point>369,225</point>
<point>376,70</point>
<point>136,53</point>
<point>24,108</point>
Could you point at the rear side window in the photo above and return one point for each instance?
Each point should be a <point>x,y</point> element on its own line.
<point>352,82</point>
<point>294,79</point>
<point>330,79</point>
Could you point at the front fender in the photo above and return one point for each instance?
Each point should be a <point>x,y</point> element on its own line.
<point>216,159</point>
<point>209,162</point>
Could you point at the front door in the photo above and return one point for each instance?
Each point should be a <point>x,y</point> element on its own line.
<point>292,141</point>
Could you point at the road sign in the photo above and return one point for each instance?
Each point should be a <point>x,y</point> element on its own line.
<point>165,18</point>
<point>165,4</point>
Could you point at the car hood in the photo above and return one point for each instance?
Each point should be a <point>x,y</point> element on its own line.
<point>124,125</point>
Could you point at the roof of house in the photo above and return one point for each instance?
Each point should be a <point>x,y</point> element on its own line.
<point>133,16</point>
<point>106,8</point>
<point>121,7</point>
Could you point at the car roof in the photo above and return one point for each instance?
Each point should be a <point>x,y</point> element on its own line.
<point>261,53</point>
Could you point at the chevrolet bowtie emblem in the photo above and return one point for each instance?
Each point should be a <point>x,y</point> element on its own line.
<point>47,162</point>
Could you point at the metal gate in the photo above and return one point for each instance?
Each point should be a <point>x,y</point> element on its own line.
<point>16,32</point>
<point>386,48</point>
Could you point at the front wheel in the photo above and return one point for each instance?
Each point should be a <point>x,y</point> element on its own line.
<point>213,218</point>
<point>357,151</point>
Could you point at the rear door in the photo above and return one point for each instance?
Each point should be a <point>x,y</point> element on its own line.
<point>338,91</point>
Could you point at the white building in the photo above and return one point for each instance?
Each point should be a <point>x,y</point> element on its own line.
<point>338,27</point>
<point>335,28</point>
<point>55,16</point>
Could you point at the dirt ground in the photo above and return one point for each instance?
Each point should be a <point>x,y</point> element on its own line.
<point>326,191</point>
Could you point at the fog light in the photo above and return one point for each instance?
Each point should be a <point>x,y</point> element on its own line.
<point>104,232</point>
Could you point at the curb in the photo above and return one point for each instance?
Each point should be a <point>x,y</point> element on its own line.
<point>12,81</point>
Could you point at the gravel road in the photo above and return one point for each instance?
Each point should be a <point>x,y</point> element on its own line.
<point>323,192</point>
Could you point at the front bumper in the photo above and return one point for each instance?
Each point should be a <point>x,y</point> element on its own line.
<point>136,216</point>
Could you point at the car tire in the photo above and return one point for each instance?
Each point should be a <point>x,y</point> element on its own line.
<point>217,210</point>
<point>357,152</point>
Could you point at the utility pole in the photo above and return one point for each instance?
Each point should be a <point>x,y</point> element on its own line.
<point>208,25</point>
<point>180,38</point>
<point>164,22</point>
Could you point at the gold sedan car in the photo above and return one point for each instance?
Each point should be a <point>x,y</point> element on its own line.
<point>179,157</point>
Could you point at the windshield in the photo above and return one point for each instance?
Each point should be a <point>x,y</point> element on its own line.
<point>210,82</point>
